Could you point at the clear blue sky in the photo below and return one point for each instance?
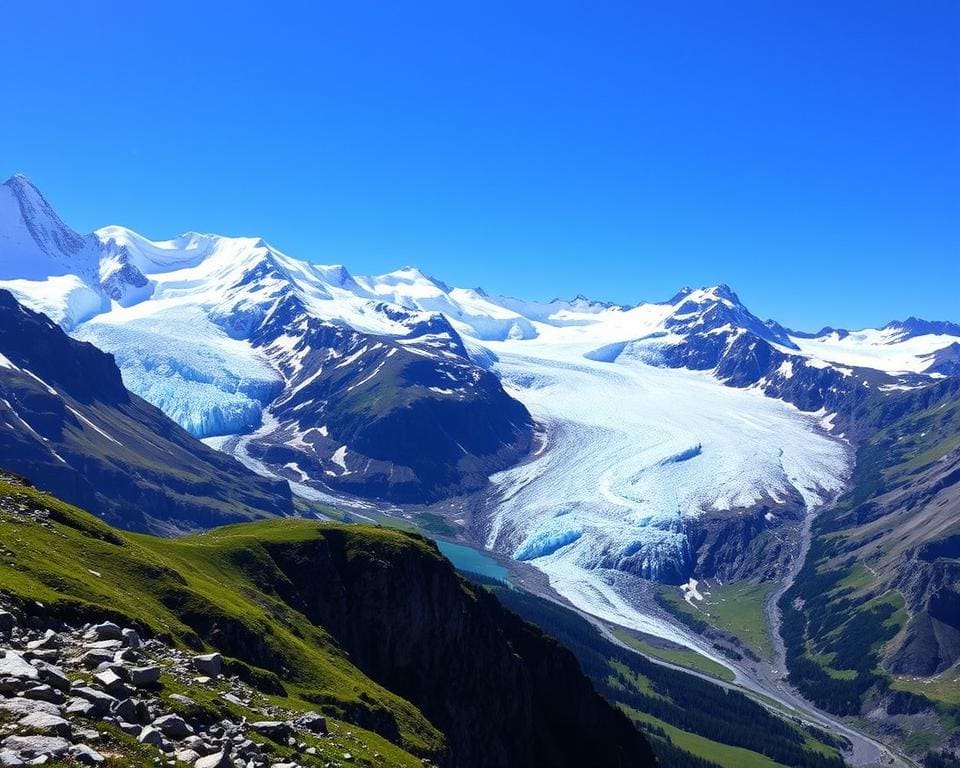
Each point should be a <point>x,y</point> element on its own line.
<point>807,153</point>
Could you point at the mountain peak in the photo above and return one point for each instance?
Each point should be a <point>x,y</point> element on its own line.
<point>20,180</point>
<point>723,292</point>
<point>410,275</point>
<point>38,243</point>
<point>917,326</point>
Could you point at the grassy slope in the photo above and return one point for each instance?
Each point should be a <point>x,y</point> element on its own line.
<point>845,619</point>
<point>158,583</point>
<point>682,657</point>
<point>721,754</point>
<point>852,562</point>
<point>735,608</point>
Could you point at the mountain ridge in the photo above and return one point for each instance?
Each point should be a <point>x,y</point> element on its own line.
<point>72,427</point>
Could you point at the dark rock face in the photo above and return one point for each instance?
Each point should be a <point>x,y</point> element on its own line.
<point>68,424</point>
<point>932,640</point>
<point>417,628</point>
<point>743,545</point>
<point>915,326</point>
<point>31,341</point>
<point>408,419</point>
<point>945,361</point>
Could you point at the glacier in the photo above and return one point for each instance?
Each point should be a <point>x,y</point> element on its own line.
<point>207,382</point>
<point>632,454</point>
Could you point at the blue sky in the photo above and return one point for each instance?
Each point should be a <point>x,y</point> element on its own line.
<point>806,153</point>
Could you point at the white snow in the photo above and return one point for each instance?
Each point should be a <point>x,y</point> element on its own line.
<point>65,299</point>
<point>786,369</point>
<point>339,458</point>
<point>689,591</point>
<point>879,349</point>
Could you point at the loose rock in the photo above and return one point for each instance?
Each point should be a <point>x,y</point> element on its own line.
<point>208,664</point>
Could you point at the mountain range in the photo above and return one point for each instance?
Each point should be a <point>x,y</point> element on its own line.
<point>607,446</point>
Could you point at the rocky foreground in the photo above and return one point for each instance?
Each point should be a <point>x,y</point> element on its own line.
<point>72,694</point>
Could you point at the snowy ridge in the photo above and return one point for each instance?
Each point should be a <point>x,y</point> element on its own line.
<point>886,349</point>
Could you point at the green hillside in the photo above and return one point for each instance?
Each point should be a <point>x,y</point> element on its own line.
<point>302,609</point>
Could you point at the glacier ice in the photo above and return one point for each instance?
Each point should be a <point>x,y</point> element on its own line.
<point>207,382</point>
<point>635,453</point>
<point>543,543</point>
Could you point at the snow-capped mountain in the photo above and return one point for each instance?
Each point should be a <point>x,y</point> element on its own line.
<point>661,425</point>
<point>363,395</point>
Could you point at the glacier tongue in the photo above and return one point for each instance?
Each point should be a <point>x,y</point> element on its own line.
<point>178,360</point>
<point>634,453</point>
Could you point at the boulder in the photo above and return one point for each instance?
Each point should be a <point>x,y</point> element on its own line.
<point>131,729</point>
<point>85,755</point>
<point>100,700</point>
<point>313,722</point>
<point>208,664</point>
<point>198,745</point>
<point>81,707</point>
<point>218,760</point>
<point>14,665</point>
<point>187,756</point>
<point>127,656</point>
<point>173,726</point>
<point>11,686</point>
<point>43,722</point>
<point>109,680</point>
<point>44,693</point>
<point>150,735</point>
<point>93,659</point>
<point>105,631</point>
<point>7,622</point>
<point>28,706</point>
<point>49,641</point>
<point>126,710</point>
<point>53,676</point>
<point>36,746</point>
<point>11,759</point>
<point>140,676</point>
<point>273,729</point>
<point>131,638</point>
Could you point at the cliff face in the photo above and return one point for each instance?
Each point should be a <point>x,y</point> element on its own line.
<point>370,626</point>
<point>502,692</point>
